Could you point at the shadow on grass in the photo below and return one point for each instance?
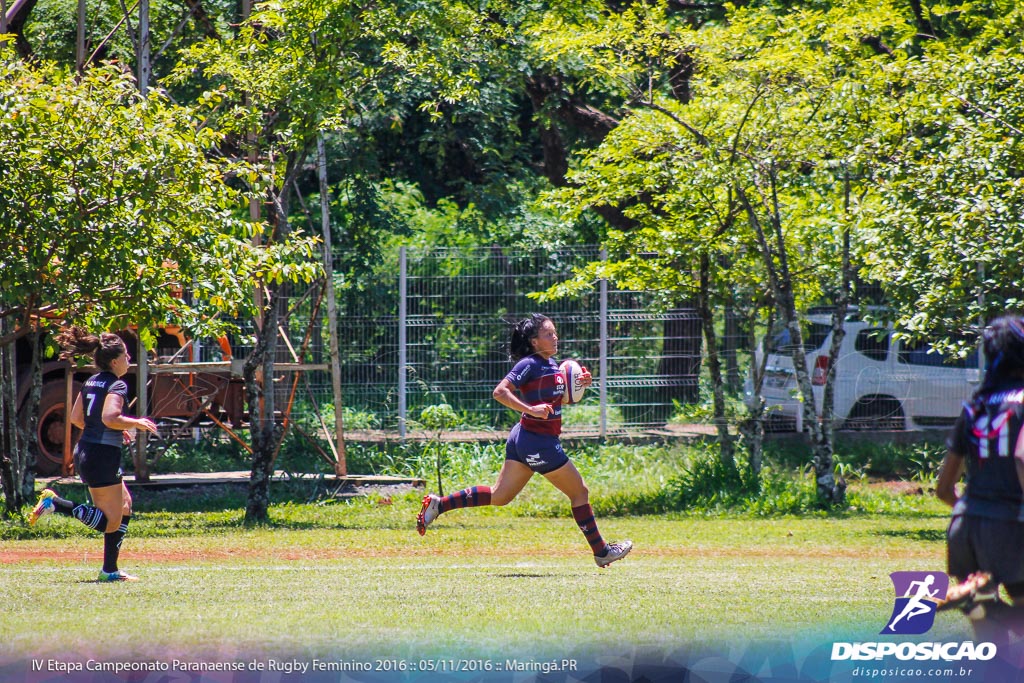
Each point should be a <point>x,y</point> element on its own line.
<point>524,575</point>
<point>930,535</point>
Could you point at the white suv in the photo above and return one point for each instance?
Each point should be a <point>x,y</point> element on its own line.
<point>880,382</point>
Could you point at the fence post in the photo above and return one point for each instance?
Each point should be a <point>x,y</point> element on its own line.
<point>142,397</point>
<point>340,463</point>
<point>602,363</point>
<point>402,351</point>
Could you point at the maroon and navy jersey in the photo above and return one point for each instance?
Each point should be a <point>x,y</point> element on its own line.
<point>986,435</point>
<point>539,381</point>
<point>94,394</point>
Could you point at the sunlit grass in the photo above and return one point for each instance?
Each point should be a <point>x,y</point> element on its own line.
<point>356,576</point>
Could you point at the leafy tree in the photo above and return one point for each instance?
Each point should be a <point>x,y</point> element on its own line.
<point>945,238</point>
<point>297,70</point>
<point>111,29</point>
<point>748,178</point>
<point>108,200</point>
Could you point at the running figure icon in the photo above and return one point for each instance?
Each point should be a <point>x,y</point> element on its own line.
<point>918,592</point>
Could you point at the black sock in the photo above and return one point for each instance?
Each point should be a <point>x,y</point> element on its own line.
<point>63,506</point>
<point>112,545</point>
<point>111,541</point>
<point>90,516</point>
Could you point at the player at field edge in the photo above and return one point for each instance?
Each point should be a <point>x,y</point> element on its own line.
<point>985,538</point>
<point>98,412</point>
<point>533,444</point>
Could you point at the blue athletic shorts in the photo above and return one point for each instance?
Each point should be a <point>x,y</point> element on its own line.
<point>542,453</point>
<point>98,464</point>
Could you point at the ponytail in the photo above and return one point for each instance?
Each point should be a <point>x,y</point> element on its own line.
<point>102,348</point>
<point>522,332</point>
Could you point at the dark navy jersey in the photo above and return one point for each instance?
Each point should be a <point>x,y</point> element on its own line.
<point>986,435</point>
<point>94,394</point>
<point>539,381</point>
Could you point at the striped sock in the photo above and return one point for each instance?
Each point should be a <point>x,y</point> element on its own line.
<point>466,498</point>
<point>584,516</point>
<point>90,516</point>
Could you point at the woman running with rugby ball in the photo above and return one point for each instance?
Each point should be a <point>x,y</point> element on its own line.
<point>98,412</point>
<point>533,444</point>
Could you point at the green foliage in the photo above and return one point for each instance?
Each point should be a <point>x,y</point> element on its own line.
<point>588,414</point>
<point>709,483</point>
<point>209,454</point>
<point>945,234</point>
<point>439,417</point>
<point>52,24</point>
<point>123,200</point>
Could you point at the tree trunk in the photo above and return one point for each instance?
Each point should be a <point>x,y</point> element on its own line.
<point>27,438</point>
<point>730,344</point>
<point>259,382</point>
<point>13,455</point>
<point>775,257</point>
<point>827,437</point>
<point>8,430</point>
<point>265,430</point>
<point>725,439</point>
<point>753,427</point>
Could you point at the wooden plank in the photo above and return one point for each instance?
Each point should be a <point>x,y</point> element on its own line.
<point>242,477</point>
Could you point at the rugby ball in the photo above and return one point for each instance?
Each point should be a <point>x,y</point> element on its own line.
<point>573,374</point>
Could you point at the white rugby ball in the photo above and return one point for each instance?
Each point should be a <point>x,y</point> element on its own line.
<point>573,374</point>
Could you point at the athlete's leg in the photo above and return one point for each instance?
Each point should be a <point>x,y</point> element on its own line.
<point>568,480</point>
<point>113,501</point>
<point>511,479</point>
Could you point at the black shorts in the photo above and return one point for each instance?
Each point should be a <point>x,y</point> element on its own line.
<point>990,545</point>
<point>98,465</point>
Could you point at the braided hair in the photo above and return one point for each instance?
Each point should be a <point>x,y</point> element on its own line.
<point>104,348</point>
<point>522,332</point>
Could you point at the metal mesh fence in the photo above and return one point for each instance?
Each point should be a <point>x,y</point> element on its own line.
<point>435,330</point>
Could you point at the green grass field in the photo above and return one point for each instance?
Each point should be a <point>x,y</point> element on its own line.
<point>355,577</point>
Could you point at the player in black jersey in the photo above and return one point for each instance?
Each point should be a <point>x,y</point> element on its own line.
<point>985,539</point>
<point>98,412</point>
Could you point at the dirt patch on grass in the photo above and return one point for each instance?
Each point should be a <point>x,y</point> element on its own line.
<point>899,488</point>
<point>785,548</point>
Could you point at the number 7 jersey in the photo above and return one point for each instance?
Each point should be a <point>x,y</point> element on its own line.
<point>94,395</point>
